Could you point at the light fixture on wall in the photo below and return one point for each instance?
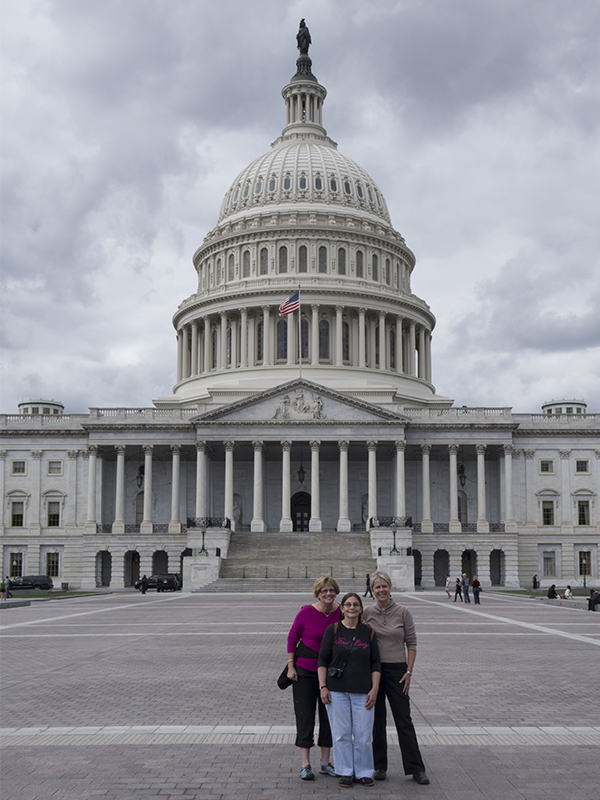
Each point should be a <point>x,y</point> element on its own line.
<point>460,468</point>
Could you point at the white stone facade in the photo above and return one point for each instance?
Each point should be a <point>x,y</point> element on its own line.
<point>352,435</point>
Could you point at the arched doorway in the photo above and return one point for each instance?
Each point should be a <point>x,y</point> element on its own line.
<point>132,567</point>
<point>469,563</point>
<point>160,562</point>
<point>301,511</point>
<point>441,567</point>
<point>497,567</point>
<point>418,567</point>
<point>103,568</point>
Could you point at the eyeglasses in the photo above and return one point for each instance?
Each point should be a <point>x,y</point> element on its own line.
<point>352,605</point>
<point>328,591</point>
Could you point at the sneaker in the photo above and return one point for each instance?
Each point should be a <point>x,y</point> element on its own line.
<point>306,773</point>
<point>379,774</point>
<point>366,781</point>
<point>346,781</point>
<point>327,769</point>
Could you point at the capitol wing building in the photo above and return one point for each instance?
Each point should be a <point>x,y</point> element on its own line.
<point>302,443</point>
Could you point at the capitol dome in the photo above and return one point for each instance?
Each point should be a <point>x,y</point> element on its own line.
<point>304,216</point>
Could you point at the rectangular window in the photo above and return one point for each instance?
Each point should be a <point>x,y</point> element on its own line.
<point>549,564</point>
<point>16,565</point>
<point>53,514</point>
<point>18,468</point>
<point>547,466</point>
<point>585,562</point>
<point>16,508</point>
<point>55,468</point>
<point>583,512</point>
<point>52,563</point>
<point>359,264</point>
<point>582,467</point>
<point>548,512</point>
<point>569,409</point>
<point>46,410</point>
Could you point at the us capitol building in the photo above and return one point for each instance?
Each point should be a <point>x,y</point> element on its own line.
<point>308,442</point>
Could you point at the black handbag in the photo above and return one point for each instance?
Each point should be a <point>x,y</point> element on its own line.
<point>302,650</point>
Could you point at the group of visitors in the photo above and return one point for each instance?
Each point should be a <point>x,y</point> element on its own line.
<point>461,588</point>
<point>343,661</point>
<point>5,592</point>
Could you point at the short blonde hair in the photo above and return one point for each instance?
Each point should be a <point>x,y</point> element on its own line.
<point>380,575</point>
<point>322,582</point>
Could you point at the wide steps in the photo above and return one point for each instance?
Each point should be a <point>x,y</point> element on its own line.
<point>277,585</point>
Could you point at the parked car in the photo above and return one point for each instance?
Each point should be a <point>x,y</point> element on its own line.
<point>37,582</point>
<point>162,583</point>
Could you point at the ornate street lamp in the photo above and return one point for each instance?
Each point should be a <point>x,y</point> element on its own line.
<point>203,551</point>
<point>394,551</point>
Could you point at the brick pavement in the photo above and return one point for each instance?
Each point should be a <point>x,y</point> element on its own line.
<point>505,700</point>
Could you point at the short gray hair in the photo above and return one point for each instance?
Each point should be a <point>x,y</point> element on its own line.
<point>380,575</point>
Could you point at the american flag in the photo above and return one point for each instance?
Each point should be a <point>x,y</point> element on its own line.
<point>290,305</point>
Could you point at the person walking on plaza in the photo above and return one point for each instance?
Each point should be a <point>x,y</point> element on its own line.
<point>465,588</point>
<point>144,584</point>
<point>303,645</point>
<point>448,586</point>
<point>368,589</point>
<point>349,672</point>
<point>457,590</point>
<point>397,640</point>
<point>9,594</point>
<point>476,586</point>
<point>3,590</point>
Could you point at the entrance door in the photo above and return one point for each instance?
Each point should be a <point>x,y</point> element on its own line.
<point>301,511</point>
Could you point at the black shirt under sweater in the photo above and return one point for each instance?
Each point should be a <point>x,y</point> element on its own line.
<point>361,660</point>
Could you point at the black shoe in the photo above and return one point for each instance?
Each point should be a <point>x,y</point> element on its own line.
<point>365,781</point>
<point>379,774</point>
<point>346,781</point>
<point>421,778</point>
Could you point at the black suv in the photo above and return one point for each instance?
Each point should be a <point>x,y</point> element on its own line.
<point>31,582</point>
<point>162,583</point>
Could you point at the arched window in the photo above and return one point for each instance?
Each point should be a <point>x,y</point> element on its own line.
<point>272,184</point>
<point>375,265</point>
<point>388,272</point>
<point>214,348</point>
<point>333,185</point>
<point>359,191</point>
<point>258,187</point>
<point>322,259</point>
<point>283,259</point>
<point>302,259</point>
<point>260,329</point>
<point>264,261</point>
<point>304,338</point>
<point>359,264</point>
<point>218,270</point>
<point>345,341</point>
<point>341,259</point>
<point>302,182</point>
<point>323,340</point>
<point>246,264</point>
<point>287,183</point>
<point>282,327</point>
<point>231,267</point>
<point>318,183</point>
<point>347,187</point>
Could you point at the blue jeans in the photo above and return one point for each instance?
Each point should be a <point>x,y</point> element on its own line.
<point>476,596</point>
<point>349,718</point>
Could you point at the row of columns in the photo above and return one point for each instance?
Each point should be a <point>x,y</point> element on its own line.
<point>286,522</point>
<point>195,342</point>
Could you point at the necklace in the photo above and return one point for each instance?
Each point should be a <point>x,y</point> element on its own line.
<point>324,612</point>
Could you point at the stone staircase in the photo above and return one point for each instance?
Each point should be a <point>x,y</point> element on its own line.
<point>293,561</point>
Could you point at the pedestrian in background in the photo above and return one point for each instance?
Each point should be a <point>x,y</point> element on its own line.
<point>457,590</point>
<point>476,586</point>
<point>448,586</point>
<point>465,587</point>
<point>368,590</point>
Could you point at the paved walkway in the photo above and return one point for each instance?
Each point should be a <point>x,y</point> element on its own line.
<point>173,697</point>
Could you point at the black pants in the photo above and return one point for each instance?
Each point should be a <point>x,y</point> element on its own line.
<point>307,698</point>
<point>400,705</point>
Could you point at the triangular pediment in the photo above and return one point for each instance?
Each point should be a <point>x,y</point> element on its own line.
<point>300,401</point>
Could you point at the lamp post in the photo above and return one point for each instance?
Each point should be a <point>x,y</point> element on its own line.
<point>394,551</point>
<point>203,551</point>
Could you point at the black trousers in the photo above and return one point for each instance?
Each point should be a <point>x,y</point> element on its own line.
<point>307,699</point>
<point>400,704</point>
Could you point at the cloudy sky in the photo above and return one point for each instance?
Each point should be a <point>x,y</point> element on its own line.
<point>125,121</point>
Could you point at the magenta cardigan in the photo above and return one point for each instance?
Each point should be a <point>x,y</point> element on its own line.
<point>310,626</point>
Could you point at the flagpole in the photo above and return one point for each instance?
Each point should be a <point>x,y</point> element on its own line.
<point>299,333</point>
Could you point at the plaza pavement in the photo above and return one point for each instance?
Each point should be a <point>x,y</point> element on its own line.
<point>173,697</point>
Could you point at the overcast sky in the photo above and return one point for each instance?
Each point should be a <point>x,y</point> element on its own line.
<point>125,121</point>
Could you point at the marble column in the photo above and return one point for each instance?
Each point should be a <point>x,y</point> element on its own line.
<point>315,500</point>
<point>400,445</point>
<point>194,369</point>
<point>339,310</point>
<point>35,526</point>
<point>510,525</point>
<point>285,525</point>
<point>428,356</point>
<point>362,339</point>
<point>565,519</point>
<point>426,523</point>
<point>372,504</point>
<point>399,346</point>
<point>119,522</point>
<point>91,500</point>
<point>175,523</point>
<point>343,523</point>
<point>201,459</point>
<point>530,507</point>
<point>455,525</point>
<point>252,339</point>
<point>234,342</point>
<point>179,356</point>
<point>229,482</point>
<point>382,342</point>
<point>482,523</point>
<point>72,516</point>
<point>186,352</point>
<point>244,338</point>
<point>207,346</point>
<point>412,346</point>
<point>314,339</point>
<point>146,526</point>
<point>267,340</point>
<point>258,524</point>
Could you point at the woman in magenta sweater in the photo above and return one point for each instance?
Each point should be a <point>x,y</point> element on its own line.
<point>303,645</point>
